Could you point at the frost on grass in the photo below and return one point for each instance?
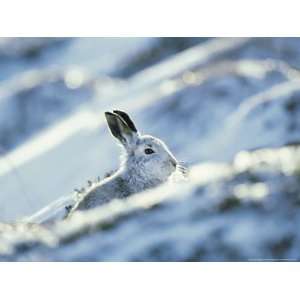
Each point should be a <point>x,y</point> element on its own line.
<point>246,210</point>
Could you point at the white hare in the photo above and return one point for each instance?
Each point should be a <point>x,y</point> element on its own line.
<point>146,163</point>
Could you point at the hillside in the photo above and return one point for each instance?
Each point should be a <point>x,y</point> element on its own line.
<point>229,108</point>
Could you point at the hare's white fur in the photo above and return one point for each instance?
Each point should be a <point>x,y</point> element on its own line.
<point>138,171</point>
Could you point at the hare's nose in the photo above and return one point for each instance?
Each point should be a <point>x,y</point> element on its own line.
<point>174,163</point>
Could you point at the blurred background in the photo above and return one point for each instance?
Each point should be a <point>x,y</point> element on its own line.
<point>207,98</point>
<point>53,93</point>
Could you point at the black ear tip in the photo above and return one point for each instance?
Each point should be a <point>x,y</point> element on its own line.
<point>118,111</point>
<point>124,116</point>
<point>109,115</point>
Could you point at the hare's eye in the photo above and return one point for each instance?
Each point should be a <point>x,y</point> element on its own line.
<point>149,151</point>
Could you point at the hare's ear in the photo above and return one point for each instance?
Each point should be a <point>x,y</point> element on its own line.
<point>126,118</point>
<point>120,129</point>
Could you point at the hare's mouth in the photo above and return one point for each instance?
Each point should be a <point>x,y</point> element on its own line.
<point>182,168</point>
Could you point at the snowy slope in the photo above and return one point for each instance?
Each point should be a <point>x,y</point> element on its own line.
<point>53,86</point>
<point>199,102</point>
<point>207,103</point>
<point>248,210</point>
<point>103,55</point>
<point>85,133</point>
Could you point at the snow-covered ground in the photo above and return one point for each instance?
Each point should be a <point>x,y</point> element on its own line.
<point>56,80</point>
<point>207,103</point>
<point>79,146</point>
<point>248,210</point>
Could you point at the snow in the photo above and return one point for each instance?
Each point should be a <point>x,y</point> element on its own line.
<point>84,131</point>
<point>201,219</point>
<point>101,55</point>
<point>211,104</point>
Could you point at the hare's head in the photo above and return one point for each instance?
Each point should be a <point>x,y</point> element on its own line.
<point>148,156</point>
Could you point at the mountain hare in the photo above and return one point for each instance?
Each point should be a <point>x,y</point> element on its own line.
<point>146,163</point>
